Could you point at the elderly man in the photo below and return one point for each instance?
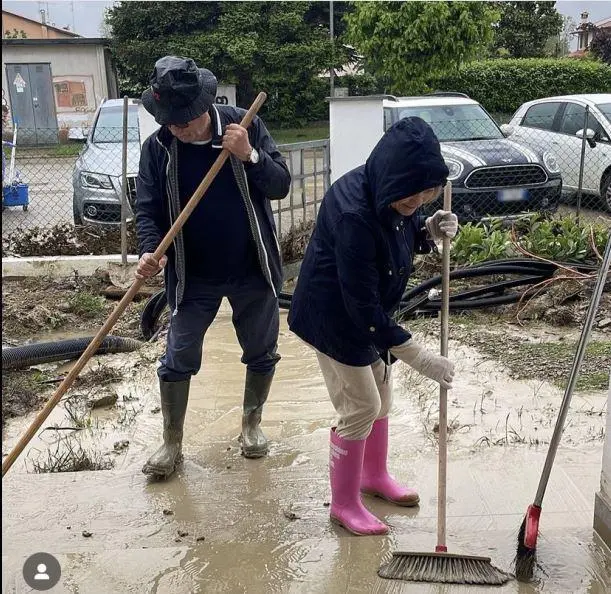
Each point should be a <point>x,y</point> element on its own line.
<point>227,248</point>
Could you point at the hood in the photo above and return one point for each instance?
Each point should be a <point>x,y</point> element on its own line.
<point>107,157</point>
<point>498,151</point>
<point>406,160</point>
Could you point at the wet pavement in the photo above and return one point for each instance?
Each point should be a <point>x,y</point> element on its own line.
<point>228,524</point>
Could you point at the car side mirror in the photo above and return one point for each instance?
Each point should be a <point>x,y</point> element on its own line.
<point>590,136</point>
<point>507,130</point>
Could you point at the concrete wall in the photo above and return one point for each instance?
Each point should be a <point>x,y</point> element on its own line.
<point>355,126</point>
<point>602,504</point>
<point>78,69</point>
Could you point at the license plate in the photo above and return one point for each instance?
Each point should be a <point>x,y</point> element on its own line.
<point>513,195</point>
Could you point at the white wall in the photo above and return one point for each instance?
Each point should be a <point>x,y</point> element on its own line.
<point>75,63</point>
<point>605,475</point>
<point>355,126</point>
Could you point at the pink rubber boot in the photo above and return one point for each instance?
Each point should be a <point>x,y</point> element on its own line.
<point>375,479</point>
<point>345,466</point>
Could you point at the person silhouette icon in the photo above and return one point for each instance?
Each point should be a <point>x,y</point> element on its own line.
<point>42,572</point>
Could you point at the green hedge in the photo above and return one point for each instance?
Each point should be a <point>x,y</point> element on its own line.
<point>503,85</point>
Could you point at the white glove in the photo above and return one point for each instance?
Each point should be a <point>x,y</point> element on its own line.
<point>434,367</point>
<point>442,224</point>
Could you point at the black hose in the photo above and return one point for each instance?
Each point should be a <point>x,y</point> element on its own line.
<point>151,313</point>
<point>533,271</point>
<point>62,350</point>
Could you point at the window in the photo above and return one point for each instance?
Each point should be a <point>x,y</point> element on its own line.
<point>455,122</point>
<point>387,118</point>
<point>573,121</point>
<point>109,126</point>
<point>605,108</point>
<point>541,116</point>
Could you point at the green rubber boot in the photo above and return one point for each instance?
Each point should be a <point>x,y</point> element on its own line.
<point>174,398</point>
<point>256,391</point>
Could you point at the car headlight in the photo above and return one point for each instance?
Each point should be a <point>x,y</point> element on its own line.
<point>95,180</point>
<point>550,161</point>
<point>455,167</point>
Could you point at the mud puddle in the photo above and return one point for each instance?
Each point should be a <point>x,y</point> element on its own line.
<point>487,408</point>
<point>227,524</point>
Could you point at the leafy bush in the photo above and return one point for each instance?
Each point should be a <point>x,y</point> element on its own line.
<point>561,240</point>
<point>564,239</point>
<point>479,242</point>
<point>503,85</point>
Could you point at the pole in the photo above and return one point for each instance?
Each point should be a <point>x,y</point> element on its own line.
<point>331,33</point>
<point>584,139</point>
<point>124,187</point>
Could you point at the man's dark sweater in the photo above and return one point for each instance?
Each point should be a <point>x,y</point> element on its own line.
<point>218,240</point>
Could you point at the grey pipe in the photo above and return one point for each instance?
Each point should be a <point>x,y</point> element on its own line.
<point>62,350</point>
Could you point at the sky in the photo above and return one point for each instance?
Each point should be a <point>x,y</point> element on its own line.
<point>86,16</point>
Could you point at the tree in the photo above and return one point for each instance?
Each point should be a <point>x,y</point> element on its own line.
<point>600,46</point>
<point>524,28</point>
<point>256,45</point>
<point>15,34</point>
<point>407,42</point>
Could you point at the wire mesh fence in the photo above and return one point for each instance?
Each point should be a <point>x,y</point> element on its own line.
<point>525,169</point>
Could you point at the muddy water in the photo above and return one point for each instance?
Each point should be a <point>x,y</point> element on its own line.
<point>226,524</point>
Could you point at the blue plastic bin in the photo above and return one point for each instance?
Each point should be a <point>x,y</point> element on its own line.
<point>15,195</point>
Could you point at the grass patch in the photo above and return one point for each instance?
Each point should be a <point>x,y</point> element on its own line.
<point>291,135</point>
<point>545,361</point>
<point>71,149</point>
<point>69,456</point>
<point>87,304</point>
<point>21,392</point>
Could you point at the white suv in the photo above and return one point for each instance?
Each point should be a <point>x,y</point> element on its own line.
<point>558,123</point>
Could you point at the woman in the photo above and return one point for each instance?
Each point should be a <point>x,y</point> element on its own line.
<point>351,281</point>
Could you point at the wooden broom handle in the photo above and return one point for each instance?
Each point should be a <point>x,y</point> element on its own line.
<point>128,297</point>
<point>443,393</point>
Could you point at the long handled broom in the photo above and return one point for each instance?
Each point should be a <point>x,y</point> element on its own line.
<point>128,297</point>
<point>526,553</point>
<point>442,566</point>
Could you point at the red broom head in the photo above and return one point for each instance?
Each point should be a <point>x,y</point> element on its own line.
<point>533,513</point>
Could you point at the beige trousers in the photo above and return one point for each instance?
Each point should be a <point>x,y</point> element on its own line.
<point>360,395</point>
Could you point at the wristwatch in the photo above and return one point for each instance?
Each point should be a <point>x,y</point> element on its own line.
<point>254,156</point>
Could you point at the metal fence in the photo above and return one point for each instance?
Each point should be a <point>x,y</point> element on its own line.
<point>493,174</point>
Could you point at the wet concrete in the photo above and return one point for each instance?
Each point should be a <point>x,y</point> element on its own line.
<point>227,524</point>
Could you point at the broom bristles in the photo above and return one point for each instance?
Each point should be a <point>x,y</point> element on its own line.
<point>442,568</point>
<point>526,558</point>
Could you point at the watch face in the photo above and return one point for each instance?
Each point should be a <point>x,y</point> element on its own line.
<point>254,156</point>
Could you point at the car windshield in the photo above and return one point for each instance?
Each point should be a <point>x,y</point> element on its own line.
<point>109,126</point>
<point>605,108</point>
<point>455,122</point>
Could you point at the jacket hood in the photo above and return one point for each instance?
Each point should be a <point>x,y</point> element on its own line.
<point>406,160</point>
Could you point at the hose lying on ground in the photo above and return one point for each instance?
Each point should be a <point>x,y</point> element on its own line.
<point>62,350</point>
<point>417,301</point>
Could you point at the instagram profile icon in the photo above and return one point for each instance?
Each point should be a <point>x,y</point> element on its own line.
<point>41,571</point>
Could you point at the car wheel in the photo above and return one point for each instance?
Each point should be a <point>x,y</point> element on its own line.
<point>78,220</point>
<point>605,192</point>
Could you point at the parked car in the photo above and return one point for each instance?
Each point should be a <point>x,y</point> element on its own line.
<point>97,175</point>
<point>558,122</point>
<point>492,176</point>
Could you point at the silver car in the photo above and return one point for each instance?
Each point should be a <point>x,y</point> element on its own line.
<point>97,176</point>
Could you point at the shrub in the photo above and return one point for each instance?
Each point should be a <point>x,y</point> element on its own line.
<point>503,85</point>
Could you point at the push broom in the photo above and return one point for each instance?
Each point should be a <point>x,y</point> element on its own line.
<point>526,553</point>
<point>128,297</point>
<point>442,566</point>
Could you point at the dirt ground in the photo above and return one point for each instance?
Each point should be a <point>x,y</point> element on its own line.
<point>538,346</point>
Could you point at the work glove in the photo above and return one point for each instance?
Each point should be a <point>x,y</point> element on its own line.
<point>433,366</point>
<point>442,224</point>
